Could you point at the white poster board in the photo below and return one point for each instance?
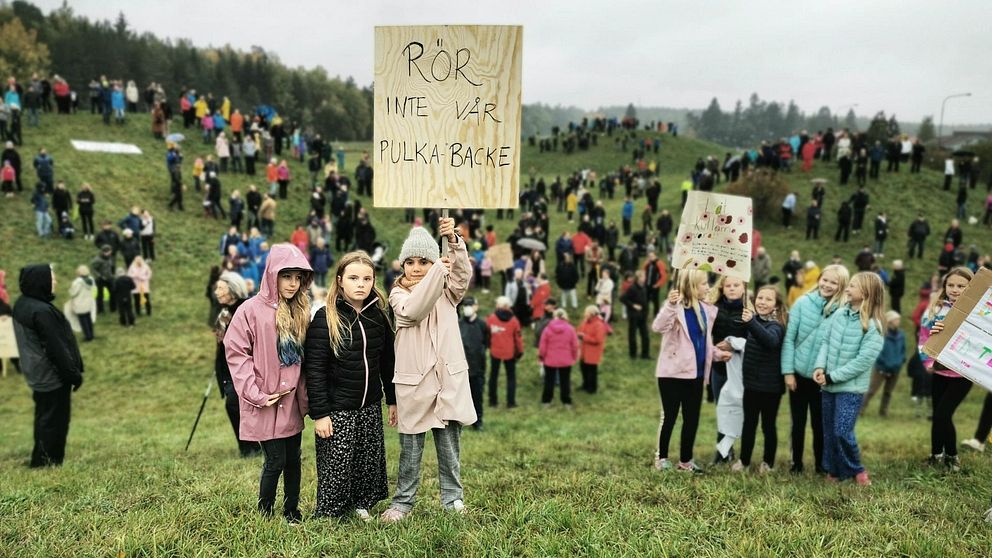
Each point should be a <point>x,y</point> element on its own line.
<point>715,234</point>
<point>8,343</point>
<point>106,147</point>
<point>965,345</point>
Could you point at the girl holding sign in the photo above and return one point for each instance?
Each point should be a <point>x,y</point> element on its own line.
<point>801,345</point>
<point>949,387</point>
<point>431,379</point>
<point>687,352</point>
<point>264,344</point>
<point>728,296</point>
<point>852,342</point>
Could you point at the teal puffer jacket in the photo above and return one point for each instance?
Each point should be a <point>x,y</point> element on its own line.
<point>848,353</point>
<point>803,335</point>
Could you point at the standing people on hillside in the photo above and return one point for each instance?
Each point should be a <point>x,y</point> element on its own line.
<point>800,348</point>
<point>728,296</point>
<point>475,341</point>
<point>42,218</point>
<point>859,203</point>
<point>655,277</point>
<point>685,323</point>
<point>141,273</point>
<point>10,154</point>
<point>85,201</point>
<point>432,388</point>
<point>635,300</point>
<point>506,347</point>
<point>558,351</point>
<point>788,208</point>
<point>348,365</point>
<point>889,362</point>
<point>949,387</point>
<point>264,346</point>
<point>230,291</point>
<point>103,270</point>
<point>49,360</point>
<point>121,291</point>
<point>592,334</point>
<point>8,176</point>
<point>919,230</point>
<point>82,302</point>
<point>567,277</point>
<point>852,340</point>
<point>44,168</point>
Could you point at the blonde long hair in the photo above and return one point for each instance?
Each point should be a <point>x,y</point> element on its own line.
<point>335,328</point>
<point>716,293</point>
<point>938,300</point>
<point>293,316</point>
<point>843,278</point>
<point>688,281</point>
<point>872,307</point>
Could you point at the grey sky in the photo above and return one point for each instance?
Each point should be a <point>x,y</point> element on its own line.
<point>901,56</point>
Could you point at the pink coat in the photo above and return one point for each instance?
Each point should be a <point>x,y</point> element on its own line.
<point>252,356</point>
<point>431,371</point>
<point>559,346</point>
<point>677,358</point>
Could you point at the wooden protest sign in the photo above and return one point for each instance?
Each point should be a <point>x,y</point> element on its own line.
<point>715,234</point>
<point>8,343</point>
<point>447,116</point>
<point>501,256</point>
<point>965,344</point>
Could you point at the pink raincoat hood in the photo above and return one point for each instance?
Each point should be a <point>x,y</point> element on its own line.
<point>281,256</point>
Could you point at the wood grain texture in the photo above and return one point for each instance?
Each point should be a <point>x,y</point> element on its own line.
<point>434,145</point>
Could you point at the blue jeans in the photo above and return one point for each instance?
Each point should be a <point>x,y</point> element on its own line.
<point>43,223</point>
<point>841,455</point>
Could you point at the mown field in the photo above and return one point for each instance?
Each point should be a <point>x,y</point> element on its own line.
<point>538,482</point>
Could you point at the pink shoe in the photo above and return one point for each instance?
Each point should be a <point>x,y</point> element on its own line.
<point>393,515</point>
<point>862,478</point>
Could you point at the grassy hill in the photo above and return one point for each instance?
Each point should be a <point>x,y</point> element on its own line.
<point>538,482</point>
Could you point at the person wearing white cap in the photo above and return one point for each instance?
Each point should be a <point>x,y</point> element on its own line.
<point>432,384</point>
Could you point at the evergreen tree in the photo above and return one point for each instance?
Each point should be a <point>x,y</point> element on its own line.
<point>926,131</point>
<point>631,112</point>
<point>878,130</point>
<point>893,127</point>
<point>851,121</point>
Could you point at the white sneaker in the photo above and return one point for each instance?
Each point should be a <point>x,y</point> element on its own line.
<point>737,467</point>
<point>363,514</point>
<point>459,507</point>
<point>764,468</point>
<point>662,464</point>
<point>973,444</point>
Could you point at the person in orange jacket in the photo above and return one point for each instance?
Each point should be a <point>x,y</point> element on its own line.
<point>592,340</point>
<point>541,294</point>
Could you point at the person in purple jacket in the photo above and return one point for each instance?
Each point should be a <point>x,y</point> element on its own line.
<point>264,346</point>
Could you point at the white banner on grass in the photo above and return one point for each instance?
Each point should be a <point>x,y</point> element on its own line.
<point>106,147</point>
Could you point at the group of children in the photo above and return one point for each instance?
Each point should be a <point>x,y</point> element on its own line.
<point>831,351</point>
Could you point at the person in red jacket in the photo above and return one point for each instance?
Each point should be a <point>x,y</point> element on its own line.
<point>656,277</point>
<point>808,153</point>
<point>542,292</point>
<point>506,345</point>
<point>559,349</point>
<point>592,339</point>
<point>580,241</point>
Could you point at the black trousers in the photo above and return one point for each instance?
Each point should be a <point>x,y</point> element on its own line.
<point>564,375</point>
<point>637,327</point>
<point>677,394</point>
<point>105,287</point>
<point>589,377</point>
<point>137,303</point>
<point>511,382</point>
<point>477,384</point>
<point>233,408</point>
<point>763,405</point>
<point>125,312</point>
<point>859,219</point>
<point>806,400</point>
<point>948,393</point>
<point>918,245</point>
<point>985,420</point>
<point>87,220</point>
<point>843,231</point>
<point>148,247</point>
<point>86,323</point>
<point>813,229</point>
<point>282,457</point>
<point>51,426</point>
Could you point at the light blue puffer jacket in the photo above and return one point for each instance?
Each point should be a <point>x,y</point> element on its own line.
<point>803,335</point>
<point>848,353</point>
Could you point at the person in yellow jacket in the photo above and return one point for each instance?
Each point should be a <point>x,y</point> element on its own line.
<point>811,276</point>
<point>225,109</point>
<point>200,108</point>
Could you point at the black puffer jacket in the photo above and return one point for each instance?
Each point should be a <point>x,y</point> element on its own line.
<point>727,324</point>
<point>763,356</point>
<point>362,371</point>
<point>50,356</point>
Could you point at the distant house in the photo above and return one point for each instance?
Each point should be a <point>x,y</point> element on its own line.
<point>961,139</point>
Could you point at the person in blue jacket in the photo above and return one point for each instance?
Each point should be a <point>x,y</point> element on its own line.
<point>117,103</point>
<point>889,362</point>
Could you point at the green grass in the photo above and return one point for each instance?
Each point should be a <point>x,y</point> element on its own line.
<point>538,482</point>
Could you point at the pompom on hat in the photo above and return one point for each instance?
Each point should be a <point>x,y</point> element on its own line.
<point>420,244</point>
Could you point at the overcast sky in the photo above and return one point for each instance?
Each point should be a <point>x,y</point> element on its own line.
<point>901,56</point>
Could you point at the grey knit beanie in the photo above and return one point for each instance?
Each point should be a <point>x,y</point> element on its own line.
<point>236,284</point>
<point>420,244</point>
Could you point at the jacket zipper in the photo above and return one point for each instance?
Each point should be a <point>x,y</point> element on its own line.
<point>365,357</point>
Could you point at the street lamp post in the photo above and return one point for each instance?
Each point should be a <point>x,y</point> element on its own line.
<point>940,128</point>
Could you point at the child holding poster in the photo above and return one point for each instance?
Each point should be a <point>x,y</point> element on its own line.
<point>687,352</point>
<point>799,351</point>
<point>852,342</point>
<point>949,387</point>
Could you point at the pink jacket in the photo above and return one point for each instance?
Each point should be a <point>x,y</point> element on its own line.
<point>677,358</point>
<point>431,371</point>
<point>141,276</point>
<point>559,346</point>
<point>252,356</point>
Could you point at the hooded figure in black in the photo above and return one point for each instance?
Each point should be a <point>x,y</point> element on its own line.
<point>230,290</point>
<point>50,362</point>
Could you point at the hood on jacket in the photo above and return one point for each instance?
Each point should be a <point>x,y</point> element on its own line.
<point>36,282</point>
<point>282,256</point>
<point>558,325</point>
<point>504,314</point>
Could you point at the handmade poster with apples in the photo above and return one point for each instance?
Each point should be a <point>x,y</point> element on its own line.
<point>965,345</point>
<point>715,235</point>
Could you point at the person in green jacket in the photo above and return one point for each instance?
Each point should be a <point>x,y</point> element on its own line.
<point>800,348</point>
<point>852,343</point>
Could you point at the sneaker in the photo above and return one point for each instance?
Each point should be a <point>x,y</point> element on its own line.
<point>935,460</point>
<point>953,463</point>
<point>796,469</point>
<point>973,444</point>
<point>393,515</point>
<point>862,479</point>
<point>690,467</point>
<point>765,468</point>
<point>363,514</point>
<point>459,507</point>
<point>293,517</point>
<point>737,467</point>
<point>662,464</point>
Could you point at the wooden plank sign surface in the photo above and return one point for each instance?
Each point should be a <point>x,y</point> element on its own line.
<point>447,116</point>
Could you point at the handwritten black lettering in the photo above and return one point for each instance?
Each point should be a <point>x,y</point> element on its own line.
<point>459,65</point>
<point>503,156</point>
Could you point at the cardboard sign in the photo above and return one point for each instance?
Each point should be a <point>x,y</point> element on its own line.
<point>8,343</point>
<point>501,256</point>
<point>447,116</point>
<point>965,344</point>
<point>715,234</point>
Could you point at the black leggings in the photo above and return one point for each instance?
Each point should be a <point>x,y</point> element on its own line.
<point>948,393</point>
<point>87,220</point>
<point>806,399</point>
<point>764,405</point>
<point>985,420</point>
<point>282,457</point>
<point>562,373</point>
<point>675,394</point>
